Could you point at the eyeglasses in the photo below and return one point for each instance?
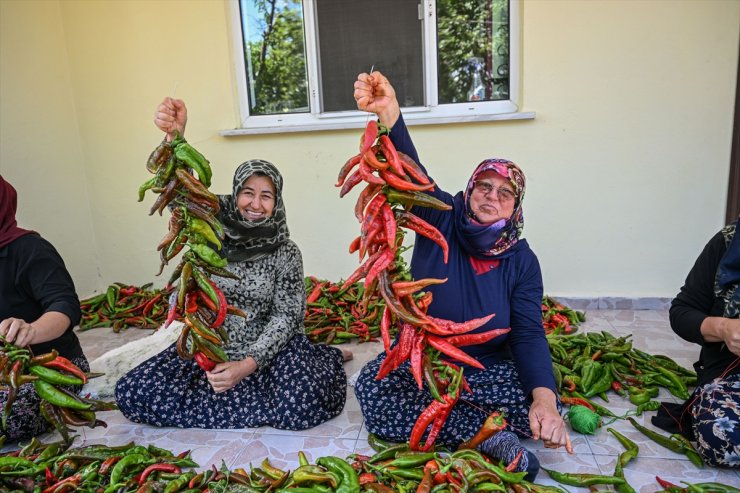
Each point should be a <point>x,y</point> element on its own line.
<point>502,193</point>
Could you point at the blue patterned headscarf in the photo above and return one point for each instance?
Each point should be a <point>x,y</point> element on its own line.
<point>490,241</point>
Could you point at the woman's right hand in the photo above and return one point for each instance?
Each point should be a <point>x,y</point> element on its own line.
<point>374,93</point>
<point>171,117</point>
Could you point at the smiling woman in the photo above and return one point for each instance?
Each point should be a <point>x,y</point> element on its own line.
<point>268,350</point>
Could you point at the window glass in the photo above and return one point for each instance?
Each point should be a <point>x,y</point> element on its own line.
<point>275,58</point>
<point>355,36</point>
<point>472,50</point>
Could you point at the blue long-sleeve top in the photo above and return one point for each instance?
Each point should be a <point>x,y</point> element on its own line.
<point>510,287</point>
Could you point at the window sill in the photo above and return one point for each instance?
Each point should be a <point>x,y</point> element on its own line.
<point>359,121</point>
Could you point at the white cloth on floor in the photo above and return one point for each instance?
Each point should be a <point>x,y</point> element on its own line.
<point>119,361</point>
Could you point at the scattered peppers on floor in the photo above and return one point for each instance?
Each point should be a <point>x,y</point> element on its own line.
<point>195,300</point>
<point>122,306</point>
<point>51,375</point>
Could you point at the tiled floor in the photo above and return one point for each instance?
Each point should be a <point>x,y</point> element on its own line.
<point>346,433</point>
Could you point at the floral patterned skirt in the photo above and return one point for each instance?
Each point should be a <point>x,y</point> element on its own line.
<point>304,385</point>
<point>25,420</point>
<point>392,405</point>
<point>715,418</point>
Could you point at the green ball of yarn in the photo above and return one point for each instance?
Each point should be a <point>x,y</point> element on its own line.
<point>583,420</point>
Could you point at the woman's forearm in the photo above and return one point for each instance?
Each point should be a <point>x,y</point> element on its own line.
<point>715,329</point>
<point>49,326</point>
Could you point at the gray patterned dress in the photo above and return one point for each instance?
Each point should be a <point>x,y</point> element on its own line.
<point>297,384</point>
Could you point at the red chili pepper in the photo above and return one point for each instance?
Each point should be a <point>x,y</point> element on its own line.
<point>448,328</point>
<point>369,137</point>
<point>62,363</point>
<point>403,288</point>
<point>203,361</point>
<point>423,421</point>
<point>413,169</point>
<point>171,468</point>
<point>382,263</point>
<point>367,194</point>
<point>415,223</point>
<point>401,184</point>
<point>171,314</point>
<point>439,421</point>
<point>222,305</point>
<point>353,180</point>
<point>385,328</point>
<point>150,304</point>
<point>50,478</point>
<point>344,171</point>
<point>72,481</point>
<point>391,155</point>
<point>207,300</point>
<point>366,477</point>
<point>494,423</point>
<point>315,293</point>
<point>417,349</point>
<point>107,464</point>
<point>511,467</point>
<point>576,401</point>
<point>665,484</point>
<point>372,160</point>
<point>366,172</point>
<point>389,225</point>
<point>191,303</point>
<point>453,352</point>
<point>478,338</point>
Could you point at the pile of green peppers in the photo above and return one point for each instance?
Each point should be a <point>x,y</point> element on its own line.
<point>593,364</point>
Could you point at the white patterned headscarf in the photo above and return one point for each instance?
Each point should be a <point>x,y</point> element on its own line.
<point>251,240</point>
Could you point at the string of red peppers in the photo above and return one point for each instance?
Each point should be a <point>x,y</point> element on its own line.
<point>395,183</point>
<point>197,301</point>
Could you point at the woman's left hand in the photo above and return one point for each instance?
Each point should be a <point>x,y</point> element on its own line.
<point>226,375</point>
<point>545,420</point>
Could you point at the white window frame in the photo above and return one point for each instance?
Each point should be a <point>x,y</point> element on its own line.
<point>432,113</point>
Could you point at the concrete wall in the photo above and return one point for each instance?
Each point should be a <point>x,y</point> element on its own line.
<point>627,159</point>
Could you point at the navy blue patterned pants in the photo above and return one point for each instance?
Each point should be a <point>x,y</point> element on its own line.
<point>715,417</point>
<point>25,420</point>
<point>304,385</point>
<point>392,405</point>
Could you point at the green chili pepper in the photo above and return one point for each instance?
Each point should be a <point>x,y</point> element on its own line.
<point>53,376</point>
<point>50,393</point>
<point>208,255</point>
<point>120,467</point>
<point>349,482</point>
<point>179,483</point>
<point>583,479</point>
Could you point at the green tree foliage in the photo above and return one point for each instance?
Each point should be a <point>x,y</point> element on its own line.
<point>278,61</point>
<point>465,30</point>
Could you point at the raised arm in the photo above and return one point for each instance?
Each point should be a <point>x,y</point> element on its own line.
<point>171,117</point>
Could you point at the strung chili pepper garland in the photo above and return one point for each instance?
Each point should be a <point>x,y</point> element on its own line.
<point>122,306</point>
<point>395,183</point>
<point>50,374</point>
<point>197,301</point>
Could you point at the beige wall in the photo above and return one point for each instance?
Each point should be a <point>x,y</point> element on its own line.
<point>627,159</point>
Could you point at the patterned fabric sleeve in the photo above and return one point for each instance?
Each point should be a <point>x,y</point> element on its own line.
<point>288,306</point>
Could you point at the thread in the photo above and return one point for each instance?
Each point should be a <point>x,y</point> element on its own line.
<point>583,420</point>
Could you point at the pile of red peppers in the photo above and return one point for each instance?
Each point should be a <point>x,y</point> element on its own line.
<point>197,301</point>
<point>393,184</point>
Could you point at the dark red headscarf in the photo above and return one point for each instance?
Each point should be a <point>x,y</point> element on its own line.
<point>9,230</point>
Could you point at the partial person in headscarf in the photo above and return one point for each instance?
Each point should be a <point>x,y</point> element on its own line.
<point>38,309</point>
<point>706,313</point>
<point>491,269</point>
<point>274,376</point>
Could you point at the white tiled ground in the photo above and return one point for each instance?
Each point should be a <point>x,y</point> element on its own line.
<point>346,433</point>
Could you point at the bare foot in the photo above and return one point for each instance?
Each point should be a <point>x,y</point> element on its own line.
<point>346,354</point>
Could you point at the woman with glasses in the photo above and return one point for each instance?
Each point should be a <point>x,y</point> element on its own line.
<point>490,270</point>
<point>274,376</point>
